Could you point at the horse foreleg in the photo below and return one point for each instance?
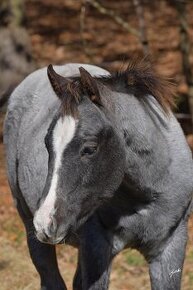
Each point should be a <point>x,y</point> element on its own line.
<point>42,255</point>
<point>77,281</point>
<point>95,256</point>
<point>45,261</point>
<point>166,268</point>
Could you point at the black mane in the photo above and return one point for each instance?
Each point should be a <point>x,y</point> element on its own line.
<point>139,79</point>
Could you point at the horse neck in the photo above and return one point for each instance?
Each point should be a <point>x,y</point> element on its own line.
<point>143,129</point>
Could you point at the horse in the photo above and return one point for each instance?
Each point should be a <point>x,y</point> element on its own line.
<point>97,160</point>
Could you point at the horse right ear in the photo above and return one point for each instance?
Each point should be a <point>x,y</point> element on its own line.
<point>58,82</point>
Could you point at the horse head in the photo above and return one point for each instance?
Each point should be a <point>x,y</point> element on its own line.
<point>86,157</point>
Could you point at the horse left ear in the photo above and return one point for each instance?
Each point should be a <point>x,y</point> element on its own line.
<point>89,86</point>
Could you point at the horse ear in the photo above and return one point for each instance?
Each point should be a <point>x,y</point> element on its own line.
<point>59,83</point>
<point>89,86</point>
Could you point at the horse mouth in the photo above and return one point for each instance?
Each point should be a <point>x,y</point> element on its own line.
<point>44,238</point>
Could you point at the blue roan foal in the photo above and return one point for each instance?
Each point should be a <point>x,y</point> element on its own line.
<point>99,161</point>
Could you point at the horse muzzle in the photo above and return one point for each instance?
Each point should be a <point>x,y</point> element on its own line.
<point>48,231</point>
<point>44,238</point>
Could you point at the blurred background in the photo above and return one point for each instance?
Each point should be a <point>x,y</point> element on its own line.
<point>109,33</point>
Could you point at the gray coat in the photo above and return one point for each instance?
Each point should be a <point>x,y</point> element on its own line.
<point>150,194</point>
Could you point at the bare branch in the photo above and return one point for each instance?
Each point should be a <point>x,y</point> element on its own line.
<point>116,17</point>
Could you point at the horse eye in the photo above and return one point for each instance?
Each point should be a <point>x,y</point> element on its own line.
<point>88,150</point>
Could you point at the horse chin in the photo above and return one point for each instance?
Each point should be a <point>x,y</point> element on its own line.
<point>43,238</point>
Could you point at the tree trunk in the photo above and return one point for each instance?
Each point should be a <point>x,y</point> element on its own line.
<point>185,49</point>
<point>142,26</point>
<point>15,52</point>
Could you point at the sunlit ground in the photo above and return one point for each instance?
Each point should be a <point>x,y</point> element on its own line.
<point>130,271</point>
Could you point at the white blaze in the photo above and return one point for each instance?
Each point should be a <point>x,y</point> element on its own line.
<point>63,133</point>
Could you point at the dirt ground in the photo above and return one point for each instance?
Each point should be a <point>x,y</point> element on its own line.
<point>130,271</point>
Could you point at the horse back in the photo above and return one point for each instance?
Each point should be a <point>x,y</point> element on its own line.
<point>32,107</point>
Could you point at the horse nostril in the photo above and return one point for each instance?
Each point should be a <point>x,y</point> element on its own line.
<point>46,236</point>
<point>42,236</point>
<point>52,227</point>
